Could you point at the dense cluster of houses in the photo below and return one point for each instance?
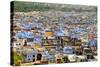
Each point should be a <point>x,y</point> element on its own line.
<point>60,37</point>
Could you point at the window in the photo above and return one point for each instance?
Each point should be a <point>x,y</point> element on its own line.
<point>33,55</point>
<point>28,56</point>
<point>28,59</point>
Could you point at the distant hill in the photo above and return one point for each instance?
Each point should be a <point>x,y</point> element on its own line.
<point>20,6</point>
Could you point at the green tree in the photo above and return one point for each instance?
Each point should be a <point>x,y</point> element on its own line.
<point>16,59</point>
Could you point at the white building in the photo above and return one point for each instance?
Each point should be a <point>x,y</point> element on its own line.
<point>30,55</point>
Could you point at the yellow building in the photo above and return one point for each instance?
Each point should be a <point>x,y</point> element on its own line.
<point>48,33</point>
